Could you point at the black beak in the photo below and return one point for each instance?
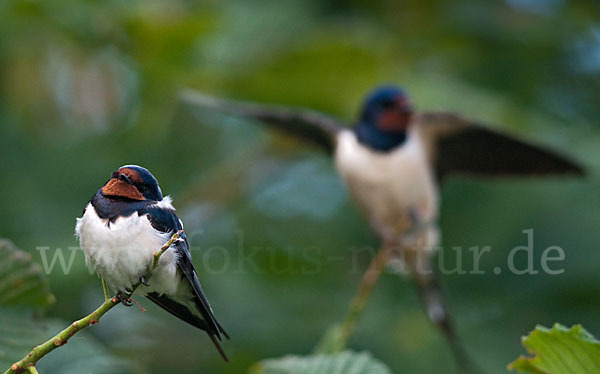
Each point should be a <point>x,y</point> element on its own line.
<point>125,178</point>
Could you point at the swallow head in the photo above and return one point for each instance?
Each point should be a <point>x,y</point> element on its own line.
<point>386,115</point>
<point>388,109</point>
<point>134,183</point>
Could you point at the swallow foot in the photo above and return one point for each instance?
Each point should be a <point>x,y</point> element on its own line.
<point>144,280</point>
<point>124,298</point>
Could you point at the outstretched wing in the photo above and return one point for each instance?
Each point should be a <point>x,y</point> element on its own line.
<point>165,220</point>
<point>459,146</point>
<point>309,125</point>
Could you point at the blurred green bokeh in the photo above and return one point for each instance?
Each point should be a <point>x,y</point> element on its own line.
<point>87,86</point>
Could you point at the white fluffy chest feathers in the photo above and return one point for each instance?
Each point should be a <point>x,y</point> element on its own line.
<point>121,251</point>
<point>387,185</point>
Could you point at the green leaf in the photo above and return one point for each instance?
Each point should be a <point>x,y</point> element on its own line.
<point>22,282</point>
<point>20,332</point>
<point>341,363</point>
<point>18,335</point>
<point>559,350</point>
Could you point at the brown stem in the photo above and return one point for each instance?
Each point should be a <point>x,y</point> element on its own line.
<point>357,305</point>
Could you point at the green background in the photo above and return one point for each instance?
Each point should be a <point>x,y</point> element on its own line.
<point>87,86</point>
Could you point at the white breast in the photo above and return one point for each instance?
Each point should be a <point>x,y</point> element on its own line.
<point>389,187</point>
<point>121,251</point>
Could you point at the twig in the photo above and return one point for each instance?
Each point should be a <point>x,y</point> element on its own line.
<point>60,339</point>
<point>359,301</point>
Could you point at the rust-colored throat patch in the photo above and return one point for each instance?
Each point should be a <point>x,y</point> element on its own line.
<point>116,187</point>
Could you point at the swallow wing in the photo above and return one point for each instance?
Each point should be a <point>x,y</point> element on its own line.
<point>187,269</point>
<point>177,309</point>
<point>309,125</point>
<point>165,220</point>
<point>459,146</point>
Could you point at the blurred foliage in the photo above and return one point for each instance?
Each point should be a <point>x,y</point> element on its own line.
<point>88,86</point>
<point>21,328</point>
<point>340,363</point>
<point>22,282</point>
<point>559,350</point>
<point>20,332</point>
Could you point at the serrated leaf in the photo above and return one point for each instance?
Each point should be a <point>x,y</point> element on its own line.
<point>346,362</point>
<point>22,281</point>
<point>20,332</point>
<point>559,350</point>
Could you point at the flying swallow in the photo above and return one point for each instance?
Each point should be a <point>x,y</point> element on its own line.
<point>124,223</point>
<point>394,160</point>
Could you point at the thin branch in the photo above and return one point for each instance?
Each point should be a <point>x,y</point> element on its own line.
<point>28,362</point>
<point>365,288</point>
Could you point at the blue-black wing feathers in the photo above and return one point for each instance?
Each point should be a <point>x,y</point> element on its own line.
<point>179,310</point>
<point>165,220</point>
<point>465,147</point>
<point>306,124</point>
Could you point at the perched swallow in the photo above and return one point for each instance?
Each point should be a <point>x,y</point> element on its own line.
<point>122,226</point>
<point>393,161</point>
